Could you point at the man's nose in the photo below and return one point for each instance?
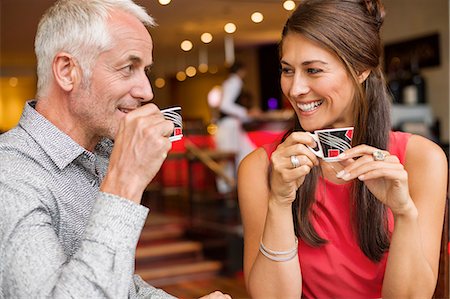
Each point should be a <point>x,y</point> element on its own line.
<point>143,89</point>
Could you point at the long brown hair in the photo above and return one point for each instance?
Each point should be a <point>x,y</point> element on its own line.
<point>350,29</point>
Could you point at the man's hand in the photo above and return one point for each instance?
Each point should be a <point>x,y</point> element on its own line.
<point>140,147</point>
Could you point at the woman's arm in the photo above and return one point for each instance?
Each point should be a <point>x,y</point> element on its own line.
<point>413,261</point>
<point>265,278</point>
<point>267,216</point>
<point>415,193</point>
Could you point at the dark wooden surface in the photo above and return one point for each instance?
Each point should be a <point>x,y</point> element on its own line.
<point>442,288</point>
<point>195,289</point>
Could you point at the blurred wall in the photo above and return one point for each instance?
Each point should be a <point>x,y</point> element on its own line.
<point>14,91</point>
<point>407,19</point>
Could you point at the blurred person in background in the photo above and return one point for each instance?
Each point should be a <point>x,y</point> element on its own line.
<point>234,110</point>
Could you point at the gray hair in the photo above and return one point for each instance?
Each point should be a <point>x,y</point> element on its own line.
<point>80,28</point>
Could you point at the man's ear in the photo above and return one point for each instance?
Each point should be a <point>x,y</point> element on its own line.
<point>65,71</point>
<point>363,76</point>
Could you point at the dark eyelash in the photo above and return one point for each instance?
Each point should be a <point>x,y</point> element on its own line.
<point>147,71</point>
<point>283,69</point>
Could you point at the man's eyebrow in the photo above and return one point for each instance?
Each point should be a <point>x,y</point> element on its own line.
<point>138,60</point>
<point>135,59</point>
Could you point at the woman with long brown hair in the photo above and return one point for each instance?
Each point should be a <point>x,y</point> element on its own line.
<point>366,226</point>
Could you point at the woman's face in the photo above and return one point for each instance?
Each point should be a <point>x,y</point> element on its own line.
<point>316,83</point>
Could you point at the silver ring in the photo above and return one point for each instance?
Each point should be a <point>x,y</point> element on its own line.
<point>294,161</point>
<point>379,155</point>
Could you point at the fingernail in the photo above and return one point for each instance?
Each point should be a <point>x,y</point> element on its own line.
<point>341,156</point>
<point>346,177</point>
<point>340,174</point>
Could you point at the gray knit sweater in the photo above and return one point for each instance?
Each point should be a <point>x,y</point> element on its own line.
<point>60,237</point>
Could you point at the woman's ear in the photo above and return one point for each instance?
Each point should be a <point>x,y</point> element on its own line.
<point>363,76</point>
<point>64,71</point>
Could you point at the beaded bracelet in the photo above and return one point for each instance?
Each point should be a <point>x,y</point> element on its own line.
<point>275,255</point>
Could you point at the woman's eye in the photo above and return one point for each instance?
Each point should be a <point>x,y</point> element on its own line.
<point>286,71</point>
<point>313,71</point>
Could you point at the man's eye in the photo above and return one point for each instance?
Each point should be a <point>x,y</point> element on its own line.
<point>128,68</point>
<point>147,71</point>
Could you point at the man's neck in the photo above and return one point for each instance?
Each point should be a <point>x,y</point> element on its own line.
<point>60,116</point>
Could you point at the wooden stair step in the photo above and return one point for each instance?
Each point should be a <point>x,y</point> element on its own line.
<point>175,273</point>
<point>168,249</point>
<point>166,232</point>
<point>157,220</point>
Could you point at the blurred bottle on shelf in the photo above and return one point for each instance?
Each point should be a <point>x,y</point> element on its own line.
<point>414,91</point>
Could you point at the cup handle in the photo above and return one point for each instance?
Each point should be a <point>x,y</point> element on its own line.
<point>318,152</point>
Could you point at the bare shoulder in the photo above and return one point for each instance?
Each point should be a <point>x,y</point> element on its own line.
<point>253,176</point>
<point>255,160</point>
<point>427,168</point>
<point>423,152</point>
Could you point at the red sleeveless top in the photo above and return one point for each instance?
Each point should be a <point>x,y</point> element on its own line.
<point>339,269</point>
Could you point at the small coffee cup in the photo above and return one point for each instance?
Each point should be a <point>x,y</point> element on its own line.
<point>174,114</point>
<point>331,142</point>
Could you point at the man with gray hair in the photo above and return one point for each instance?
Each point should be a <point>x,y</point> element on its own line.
<point>70,195</point>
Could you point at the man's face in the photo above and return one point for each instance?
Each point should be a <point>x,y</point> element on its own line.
<point>119,82</point>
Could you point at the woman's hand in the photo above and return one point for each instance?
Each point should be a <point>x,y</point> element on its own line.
<point>285,179</point>
<point>385,178</point>
<point>216,295</point>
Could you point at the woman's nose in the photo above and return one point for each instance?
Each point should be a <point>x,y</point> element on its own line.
<point>299,86</point>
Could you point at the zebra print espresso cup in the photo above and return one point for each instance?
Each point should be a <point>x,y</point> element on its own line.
<point>174,114</point>
<point>331,142</point>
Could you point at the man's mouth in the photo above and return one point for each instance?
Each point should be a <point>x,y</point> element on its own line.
<point>308,107</point>
<point>125,110</point>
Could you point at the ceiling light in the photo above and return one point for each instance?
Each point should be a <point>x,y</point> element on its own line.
<point>13,81</point>
<point>257,17</point>
<point>203,68</point>
<point>213,69</point>
<point>160,82</point>
<point>206,37</point>
<point>215,96</point>
<point>186,45</point>
<point>191,71</point>
<point>289,5</point>
<point>164,2</point>
<point>181,76</point>
<point>229,28</point>
<point>212,129</point>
